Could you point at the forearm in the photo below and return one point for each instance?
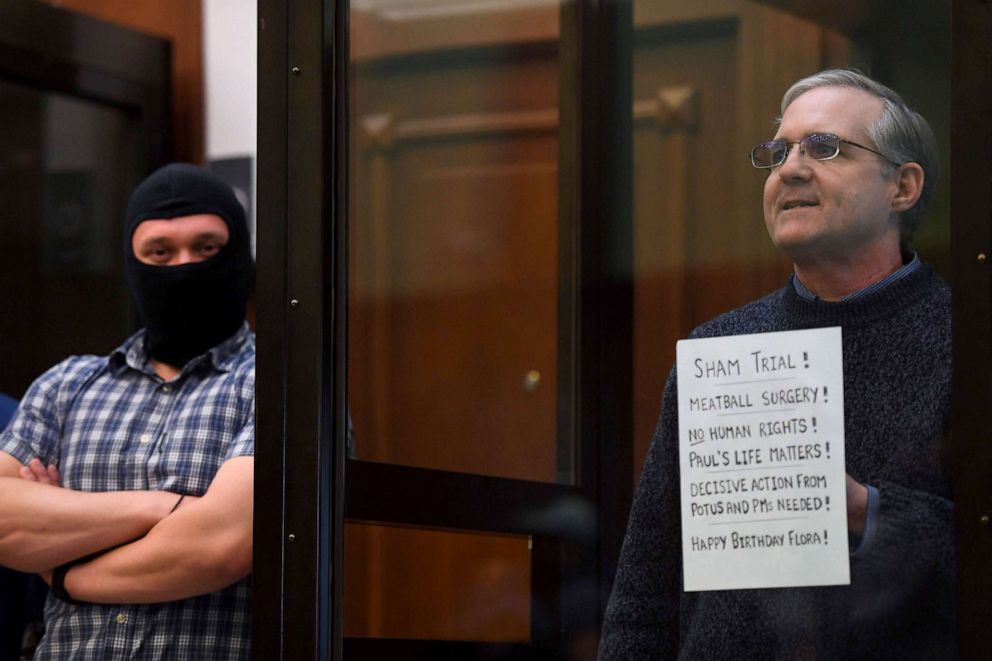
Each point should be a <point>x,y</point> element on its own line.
<point>43,526</point>
<point>201,548</point>
<point>166,565</point>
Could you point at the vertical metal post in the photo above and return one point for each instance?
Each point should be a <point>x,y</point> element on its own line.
<point>270,394</point>
<point>605,239</point>
<point>971,245</point>
<point>296,507</point>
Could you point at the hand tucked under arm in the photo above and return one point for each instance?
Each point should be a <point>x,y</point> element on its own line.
<point>202,547</point>
<point>43,526</point>
<point>36,471</point>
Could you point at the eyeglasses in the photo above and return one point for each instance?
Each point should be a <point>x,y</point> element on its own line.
<point>818,146</point>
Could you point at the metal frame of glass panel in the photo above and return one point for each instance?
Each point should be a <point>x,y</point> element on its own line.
<point>308,485</point>
<point>971,243</point>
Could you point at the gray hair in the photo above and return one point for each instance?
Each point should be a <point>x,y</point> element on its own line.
<point>901,133</point>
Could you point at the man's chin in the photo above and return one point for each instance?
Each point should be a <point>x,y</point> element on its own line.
<point>801,247</point>
<point>789,239</point>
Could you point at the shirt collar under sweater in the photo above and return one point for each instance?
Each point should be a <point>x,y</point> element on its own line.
<point>877,304</point>
<point>901,272</point>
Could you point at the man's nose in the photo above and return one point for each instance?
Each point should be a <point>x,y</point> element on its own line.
<point>795,165</point>
<point>184,256</point>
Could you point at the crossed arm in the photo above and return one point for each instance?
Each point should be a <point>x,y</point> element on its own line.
<point>203,546</point>
<point>43,526</point>
<point>200,548</point>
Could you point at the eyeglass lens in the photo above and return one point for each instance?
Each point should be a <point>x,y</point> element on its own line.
<point>818,146</point>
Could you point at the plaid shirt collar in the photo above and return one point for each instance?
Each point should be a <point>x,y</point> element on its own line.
<point>223,357</point>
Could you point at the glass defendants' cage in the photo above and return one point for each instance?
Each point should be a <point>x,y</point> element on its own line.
<point>482,228</point>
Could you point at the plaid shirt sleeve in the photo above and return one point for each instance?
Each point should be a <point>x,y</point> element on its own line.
<point>36,429</point>
<point>243,443</point>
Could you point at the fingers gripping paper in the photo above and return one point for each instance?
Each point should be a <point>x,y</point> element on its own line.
<point>761,451</point>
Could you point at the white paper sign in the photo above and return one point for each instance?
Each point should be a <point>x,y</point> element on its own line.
<point>761,450</point>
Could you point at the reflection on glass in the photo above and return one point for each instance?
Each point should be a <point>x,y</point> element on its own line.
<point>435,585</point>
<point>453,302</point>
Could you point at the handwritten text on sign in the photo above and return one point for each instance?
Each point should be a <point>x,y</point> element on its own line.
<point>761,451</point>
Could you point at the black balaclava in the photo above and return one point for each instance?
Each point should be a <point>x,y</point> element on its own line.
<point>188,309</point>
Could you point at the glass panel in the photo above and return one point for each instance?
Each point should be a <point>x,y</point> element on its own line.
<point>453,301</point>
<point>436,585</point>
<point>61,160</point>
<point>709,77</point>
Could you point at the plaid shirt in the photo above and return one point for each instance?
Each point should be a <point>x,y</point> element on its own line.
<point>111,424</point>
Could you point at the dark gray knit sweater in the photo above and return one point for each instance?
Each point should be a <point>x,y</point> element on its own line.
<point>900,604</point>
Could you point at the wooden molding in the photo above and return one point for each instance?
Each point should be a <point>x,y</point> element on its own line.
<point>379,131</point>
<point>386,30</point>
<point>672,108</point>
<point>383,131</point>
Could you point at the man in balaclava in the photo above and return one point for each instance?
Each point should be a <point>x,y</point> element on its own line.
<point>187,308</point>
<point>162,570</point>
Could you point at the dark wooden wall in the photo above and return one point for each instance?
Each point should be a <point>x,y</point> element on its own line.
<point>84,117</point>
<point>181,22</point>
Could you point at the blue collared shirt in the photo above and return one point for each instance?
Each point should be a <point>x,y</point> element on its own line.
<point>871,519</point>
<point>909,267</point>
<point>111,424</point>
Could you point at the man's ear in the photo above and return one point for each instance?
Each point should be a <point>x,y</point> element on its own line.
<point>909,180</point>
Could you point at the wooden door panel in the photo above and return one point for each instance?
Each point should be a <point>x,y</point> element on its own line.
<point>457,266</point>
<point>436,585</point>
<point>182,24</point>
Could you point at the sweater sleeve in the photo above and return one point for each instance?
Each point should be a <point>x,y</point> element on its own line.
<point>913,548</point>
<point>642,617</point>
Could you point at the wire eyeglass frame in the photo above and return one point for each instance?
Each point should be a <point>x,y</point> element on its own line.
<point>807,147</point>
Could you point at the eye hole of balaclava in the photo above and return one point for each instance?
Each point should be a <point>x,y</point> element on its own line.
<point>181,240</point>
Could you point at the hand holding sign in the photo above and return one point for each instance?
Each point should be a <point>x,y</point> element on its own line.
<point>761,439</point>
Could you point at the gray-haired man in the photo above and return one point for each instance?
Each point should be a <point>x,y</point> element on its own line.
<point>850,171</point>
